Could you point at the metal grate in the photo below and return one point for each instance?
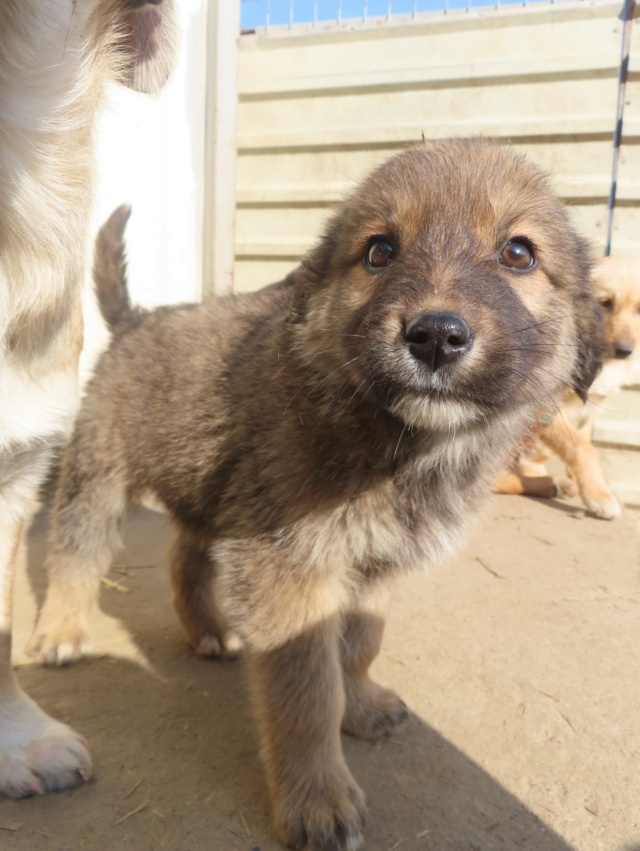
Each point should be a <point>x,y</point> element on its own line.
<point>268,13</point>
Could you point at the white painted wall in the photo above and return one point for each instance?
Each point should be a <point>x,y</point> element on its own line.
<point>151,155</point>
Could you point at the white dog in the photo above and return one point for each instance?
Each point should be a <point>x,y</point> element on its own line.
<point>55,59</point>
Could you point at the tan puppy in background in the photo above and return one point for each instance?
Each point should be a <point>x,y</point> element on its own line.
<point>314,440</point>
<point>617,288</point>
<point>55,59</point>
<point>568,434</point>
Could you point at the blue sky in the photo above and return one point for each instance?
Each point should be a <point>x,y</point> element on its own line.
<point>254,11</point>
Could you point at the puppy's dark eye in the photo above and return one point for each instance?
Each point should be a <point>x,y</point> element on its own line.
<point>518,254</point>
<point>607,303</point>
<point>379,253</point>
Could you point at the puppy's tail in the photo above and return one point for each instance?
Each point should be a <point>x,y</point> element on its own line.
<point>110,270</point>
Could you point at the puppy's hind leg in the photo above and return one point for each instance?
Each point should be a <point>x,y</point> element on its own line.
<point>91,497</point>
<point>515,482</point>
<point>371,711</point>
<point>192,577</point>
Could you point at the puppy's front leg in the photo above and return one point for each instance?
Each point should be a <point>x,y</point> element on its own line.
<point>371,711</point>
<point>37,753</point>
<point>581,459</point>
<point>299,698</point>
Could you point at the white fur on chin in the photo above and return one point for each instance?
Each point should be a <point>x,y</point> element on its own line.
<point>437,414</point>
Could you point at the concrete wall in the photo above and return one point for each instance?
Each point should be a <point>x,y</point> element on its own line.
<point>318,109</point>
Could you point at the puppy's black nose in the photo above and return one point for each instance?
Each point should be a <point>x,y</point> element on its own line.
<point>623,350</point>
<point>437,338</point>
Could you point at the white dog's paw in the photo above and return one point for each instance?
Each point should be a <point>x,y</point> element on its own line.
<point>58,644</point>
<point>37,753</point>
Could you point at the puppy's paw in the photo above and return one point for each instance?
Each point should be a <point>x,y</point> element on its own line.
<point>602,503</point>
<point>329,817</point>
<point>58,645</point>
<point>212,646</point>
<point>37,753</point>
<point>372,711</point>
<point>541,486</point>
<point>567,487</point>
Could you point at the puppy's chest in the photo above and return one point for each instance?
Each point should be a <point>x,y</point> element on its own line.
<point>387,529</point>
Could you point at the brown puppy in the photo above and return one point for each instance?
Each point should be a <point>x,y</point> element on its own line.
<point>314,440</point>
<point>617,288</point>
<point>56,58</point>
<point>568,435</point>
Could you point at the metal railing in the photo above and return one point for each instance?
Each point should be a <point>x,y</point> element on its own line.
<point>289,13</point>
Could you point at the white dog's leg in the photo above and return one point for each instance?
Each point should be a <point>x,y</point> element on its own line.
<point>37,753</point>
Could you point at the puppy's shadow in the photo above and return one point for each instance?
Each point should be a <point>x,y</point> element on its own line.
<point>574,510</point>
<point>424,793</point>
<point>179,742</point>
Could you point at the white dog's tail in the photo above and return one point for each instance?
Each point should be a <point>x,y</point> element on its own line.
<point>110,270</point>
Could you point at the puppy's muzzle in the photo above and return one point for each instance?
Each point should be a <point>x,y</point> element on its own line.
<point>437,339</point>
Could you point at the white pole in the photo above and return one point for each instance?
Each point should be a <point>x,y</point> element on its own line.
<point>223,34</point>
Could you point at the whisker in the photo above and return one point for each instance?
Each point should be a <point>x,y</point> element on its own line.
<point>603,407</point>
<point>555,405</point>
<point>535,348</point>
<point>324,352</point>
<point>356,391</point>
<point>333,372</point>
<point>288,405</point>
<point>398,444</point>
<point>542,347</point>
<point>540,324</point>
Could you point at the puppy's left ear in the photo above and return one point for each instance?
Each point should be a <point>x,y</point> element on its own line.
<point>591,344</point>
<point>145,41</point>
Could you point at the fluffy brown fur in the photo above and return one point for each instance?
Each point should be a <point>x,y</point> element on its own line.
<point>55,59</point>
<point>568,435</point>
<point>308,453</point>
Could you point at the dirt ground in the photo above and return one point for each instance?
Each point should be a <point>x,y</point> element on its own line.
<point>519,660</point>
